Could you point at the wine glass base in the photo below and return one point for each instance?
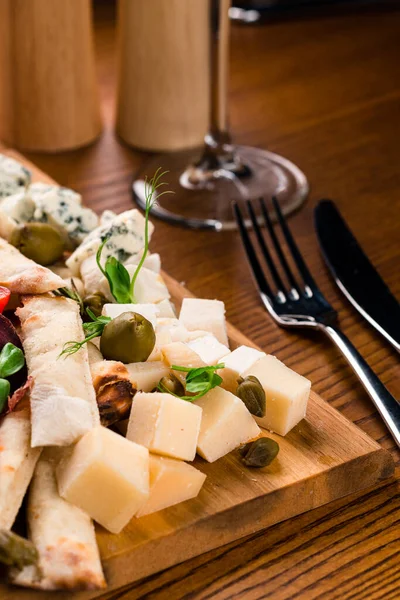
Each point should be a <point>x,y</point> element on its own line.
<point>208,205</point>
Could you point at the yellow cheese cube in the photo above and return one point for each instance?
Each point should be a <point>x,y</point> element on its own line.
<point>209,349</point>
<point>236,362</point>
<point>144,376</point>
<point>107,476</point>
<point>226,423</point>
<point>179,354</point>
<point>286,394</point>
<point>165,425</point>
<point>208,315</point>
<point>171,481</point>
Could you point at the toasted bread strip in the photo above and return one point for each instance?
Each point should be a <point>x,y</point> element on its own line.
<point>63,535</point>
<point>17,462</point>
<point>22,275</point>
<point>63,401</point>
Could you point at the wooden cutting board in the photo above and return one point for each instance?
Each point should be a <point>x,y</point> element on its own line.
<point>324,458</point>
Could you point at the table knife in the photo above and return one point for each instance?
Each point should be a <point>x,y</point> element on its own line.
<point>355,275</point>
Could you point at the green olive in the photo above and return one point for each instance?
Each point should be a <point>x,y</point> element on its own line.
<point>252,394</point>
<point>40,242</point>
<point>128,338</point>
<point>172,384</point>
<point>95,302</point>
<point>259,453</point>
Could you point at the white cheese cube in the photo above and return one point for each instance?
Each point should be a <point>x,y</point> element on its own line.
<point>148,311</point>
<point>149,286</point>
<point>197,333</point>
<point>166,309</point>
<point>171,482</point>
<point>209,349</point>
<point>144,376</point>
<point>236,363</point>
<point>226,423</point>
<point>153,262</point>
<point>165,425</point>
<point>181,355</point>
<point>286,394</point>
<point>107,476</point>
<point>208,315</point>
<point>177,332</point>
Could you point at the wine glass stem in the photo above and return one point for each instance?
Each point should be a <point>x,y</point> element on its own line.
<point>218,134</point>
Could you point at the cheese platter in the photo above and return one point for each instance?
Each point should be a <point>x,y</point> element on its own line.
<point>204,488</point>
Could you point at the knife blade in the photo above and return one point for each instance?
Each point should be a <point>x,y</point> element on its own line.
<point>355,275</point>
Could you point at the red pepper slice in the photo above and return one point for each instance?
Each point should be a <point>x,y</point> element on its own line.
<point>4,297</point>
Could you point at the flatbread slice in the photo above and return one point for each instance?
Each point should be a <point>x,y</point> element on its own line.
<point>22,275</point>
<point>63,535</point>
<point>17,462</point>
<point>63,401</point>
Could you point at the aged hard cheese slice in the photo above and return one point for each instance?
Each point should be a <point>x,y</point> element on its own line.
<point>145,376</point>
<point>63,535</point>
<point>23,276</point>
<point>148,311</point>
<point>171,482</point>
<point>226,423</point>
<point>179,354</point>
<point>107,476</point>
<point>165,425</point>
<point>236,363</point>
<point>208,315</point>
<point>63,401</point>
<point>209,349</point>
<point>286,394</point>
<point>17,462</point>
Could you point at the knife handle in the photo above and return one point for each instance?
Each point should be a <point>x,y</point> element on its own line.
<point>387,405</point>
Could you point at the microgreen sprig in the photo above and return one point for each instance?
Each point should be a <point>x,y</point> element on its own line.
<point>121,285</point>
<point>199,381</point>
<point>92,330</point>
<point>11,361</point>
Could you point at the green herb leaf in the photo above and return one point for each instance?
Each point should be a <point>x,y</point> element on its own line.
<point>11,360</point>
<point>119,280</point>
<point>199,381</point>
<point>4,393</point>
<point>92,330</point>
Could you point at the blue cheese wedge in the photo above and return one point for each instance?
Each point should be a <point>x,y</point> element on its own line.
<point>19,207</point>
<point>125,238</point>
<point>62,208</point>
<point>14,177</point>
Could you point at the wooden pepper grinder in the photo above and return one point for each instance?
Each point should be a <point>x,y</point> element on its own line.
<point>163,84</point>
<point>48,92</point>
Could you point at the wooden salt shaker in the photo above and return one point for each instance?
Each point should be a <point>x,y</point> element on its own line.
<point>163,84</point>
<point>48,92</point>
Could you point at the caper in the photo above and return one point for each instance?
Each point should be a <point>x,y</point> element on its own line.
<point>251,392</point>
<point>128,338</point>
<point>40,242</point>
<point>259,453</point>
<point>95,303</point>
<point>16,551</point>
<point>172,384</point>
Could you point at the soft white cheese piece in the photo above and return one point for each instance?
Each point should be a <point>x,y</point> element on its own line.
<point>181,355</point>
<point>13,176</point>
<point>208,315</point>
<point>107,476</point>
<point>149,286</point>
<point>125,238</point>
<point>166,309</point>
<point>209,349</point>
<point>177,331</point>
<point>107,216</point>
<point>153,262</point>
<point>19,207</point>
<point>171,482</point>
<point>286,394</point>
<point>144,376</point>
<point>38,189</point>
<point>148,311</point>
<point>226,423</point>
<point>165,425</point>
<point>238,361</point>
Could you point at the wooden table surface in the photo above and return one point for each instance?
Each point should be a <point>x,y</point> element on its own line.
<point>325,92</point>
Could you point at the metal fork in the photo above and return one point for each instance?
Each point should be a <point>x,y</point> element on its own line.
<point>302,304</point>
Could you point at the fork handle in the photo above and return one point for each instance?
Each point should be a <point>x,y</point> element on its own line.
<point>387,405</point>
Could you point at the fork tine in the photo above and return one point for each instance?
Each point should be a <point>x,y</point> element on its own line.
<point>277,246</point>
<point>251,255</point>
<point>266,254</point>
<point>297,257</point>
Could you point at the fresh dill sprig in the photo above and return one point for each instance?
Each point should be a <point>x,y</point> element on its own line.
<point>92,330</point>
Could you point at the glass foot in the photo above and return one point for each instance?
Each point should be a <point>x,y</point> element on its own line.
<point>207,203</point>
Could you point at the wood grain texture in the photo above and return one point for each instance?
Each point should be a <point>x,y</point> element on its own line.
<point>325,92</point>
<point>48,93</point>
<point>322,459</point>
